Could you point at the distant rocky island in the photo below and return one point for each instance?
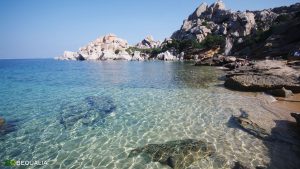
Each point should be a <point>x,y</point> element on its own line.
<point>209,31</point>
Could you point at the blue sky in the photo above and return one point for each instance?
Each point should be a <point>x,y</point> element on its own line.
<point>45,28</point>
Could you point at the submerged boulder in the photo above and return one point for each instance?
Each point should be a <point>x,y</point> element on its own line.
<point>92,110</point>
<point>2,121</point>
<point>176,154</point>
<point>7,126</point>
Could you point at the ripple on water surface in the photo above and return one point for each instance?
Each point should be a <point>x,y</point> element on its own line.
<point>121,107</point>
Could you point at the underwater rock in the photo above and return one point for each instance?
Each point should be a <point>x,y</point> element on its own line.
<point>297,117</point>
<point>239,165</point>
<point>102,104</point>
<point>251,127</point>
<point>92,110</point>
<point>6,126</point>
<point>2,121</point>
<point>177,154</point>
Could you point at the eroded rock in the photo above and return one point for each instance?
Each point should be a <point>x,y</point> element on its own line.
<point>177,154</point>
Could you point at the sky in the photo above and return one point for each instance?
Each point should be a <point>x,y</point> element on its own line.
<point>46,28</point>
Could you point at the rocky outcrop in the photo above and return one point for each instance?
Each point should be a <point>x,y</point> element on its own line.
<point>235,26</point>
<point>148,43</point>
<point>264,76</point>
<point>177,154</point>
<point>108,47</point>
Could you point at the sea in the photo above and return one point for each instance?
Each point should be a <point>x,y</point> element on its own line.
<point>92,114</point>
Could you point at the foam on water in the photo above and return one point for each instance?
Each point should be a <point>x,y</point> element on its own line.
<point>155,102</point>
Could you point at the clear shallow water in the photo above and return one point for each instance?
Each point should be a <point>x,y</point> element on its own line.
<point>140,103</point>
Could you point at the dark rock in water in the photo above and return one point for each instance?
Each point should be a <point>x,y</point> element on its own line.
<point>92,110</point>
<point>281,92</point>
<point>245,123</point>
<point>2,121</point>
<point>103,104</point>
<point>177,154</point>
<point>238,165</point>
<point>297,117</point>
<point>6,126</point>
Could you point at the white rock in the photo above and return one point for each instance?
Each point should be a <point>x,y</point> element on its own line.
<point>166,56</point>
<point>123,55</point>
<point>137,56</point>
<point>68,55</point>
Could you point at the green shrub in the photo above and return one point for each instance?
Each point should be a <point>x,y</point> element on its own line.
<point>282,18</point>
<point>213,40</point>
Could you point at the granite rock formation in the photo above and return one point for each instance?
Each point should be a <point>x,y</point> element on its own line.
<point>238,27</point>
<point>108,47</point>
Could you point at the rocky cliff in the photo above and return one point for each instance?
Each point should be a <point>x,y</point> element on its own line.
<point>250,34</point>
<point>237,27</point>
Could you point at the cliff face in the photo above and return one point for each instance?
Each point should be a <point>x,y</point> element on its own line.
<point>236,27</point>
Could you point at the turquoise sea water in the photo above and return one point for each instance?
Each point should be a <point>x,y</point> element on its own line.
<point>92,114</point>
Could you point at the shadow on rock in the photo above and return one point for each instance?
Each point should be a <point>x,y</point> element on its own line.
<point>92,110</point>
<point>178,154</point>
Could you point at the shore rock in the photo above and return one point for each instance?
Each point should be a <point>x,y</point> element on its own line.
<point>177,154</point>
<point>280,92</point>
<point>264,76</point>
<point>297,117</point>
